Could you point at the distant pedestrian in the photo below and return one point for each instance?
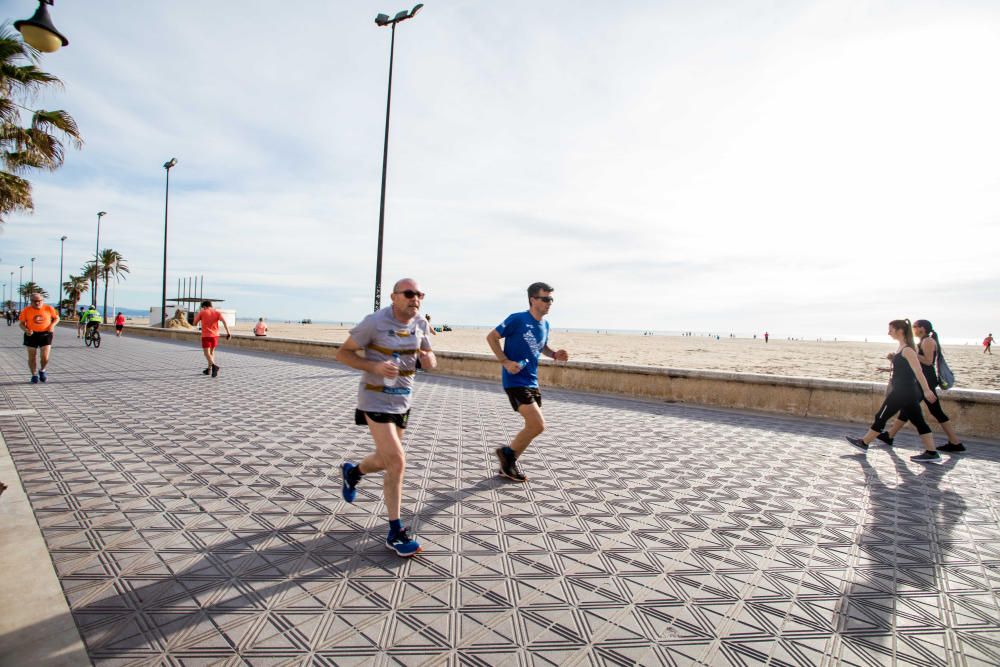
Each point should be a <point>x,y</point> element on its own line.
<point>928,352</point>
<point>209,318</point>
<point>430,326</point>
<point>526,338</point>
<point>987,344</point>
<point>119,324</point>
<point>392,339</point>
<point>906,385</point>
<point>38,320</point>
<point>10,316</point>
<point>80,322</point>
<point>767,336</point>
<point>260,329</point>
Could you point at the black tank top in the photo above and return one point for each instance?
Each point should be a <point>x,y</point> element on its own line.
<point>929,372</point>
<point>903,381</point>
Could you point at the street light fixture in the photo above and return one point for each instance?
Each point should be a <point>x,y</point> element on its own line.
<point>97,256</point>
<point>166,208</point>
<point>383,20</point>
<point>39,32</point>
<point>62,243</point>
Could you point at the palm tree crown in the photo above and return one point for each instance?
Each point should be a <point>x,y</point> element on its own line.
<point>111,263</point>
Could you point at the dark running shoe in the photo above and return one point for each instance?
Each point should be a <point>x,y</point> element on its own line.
<point>952,447</point>
<point>403,544</point>
<point>857,442</point>
<point>508,466</point>
<point>206,371</point>
<point>347,486</point>
<point>34,379</point>
<point>885,437</point>
<point>215,370</point>
<point>43,376</point>
<point>928,457</point>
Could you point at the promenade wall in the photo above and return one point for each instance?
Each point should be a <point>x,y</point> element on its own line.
<point>976,413</point>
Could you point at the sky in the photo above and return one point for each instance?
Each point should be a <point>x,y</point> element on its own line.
<point>810,168</point>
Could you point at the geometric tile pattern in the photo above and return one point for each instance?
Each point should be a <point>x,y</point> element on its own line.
<point>195,521</point>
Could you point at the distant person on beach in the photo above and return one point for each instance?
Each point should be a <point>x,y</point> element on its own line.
<point>767,336</point>
<point>987,344</point>
<point>906,384</point>
<point>430,326</point>
<point>526,337</point>
<point>119,324</point>
<point>260,329</point>
<point>391,339</point>
<point>38,320</point>
<point>209,318</point>
<point>928,352</point>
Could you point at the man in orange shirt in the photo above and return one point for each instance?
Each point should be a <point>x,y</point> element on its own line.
<point>38,320</point>
<point>210,318</point>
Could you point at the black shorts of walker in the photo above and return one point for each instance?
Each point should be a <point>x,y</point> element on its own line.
<point>38,339</point>
<point>523,396</point>
<point>399,420</point>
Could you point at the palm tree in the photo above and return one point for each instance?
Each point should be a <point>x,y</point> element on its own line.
<point>29,288</point>
<point>112,264</point>
<point>91,272</point>
<point>36,146</point>
<point>74,288</point>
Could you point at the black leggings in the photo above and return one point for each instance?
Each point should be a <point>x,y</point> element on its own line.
<point>908,407</point>
<point>934,408</point>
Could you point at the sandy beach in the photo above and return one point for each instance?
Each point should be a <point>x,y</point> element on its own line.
<point>827,359</point>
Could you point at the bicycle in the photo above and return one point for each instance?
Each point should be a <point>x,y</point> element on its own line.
<point>92,337</point>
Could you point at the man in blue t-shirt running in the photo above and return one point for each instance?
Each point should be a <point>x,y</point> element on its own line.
<point>526,337</point>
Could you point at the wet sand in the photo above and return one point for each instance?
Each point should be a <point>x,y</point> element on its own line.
<point>826,359</point>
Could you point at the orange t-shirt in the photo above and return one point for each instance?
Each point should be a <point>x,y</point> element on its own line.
<point>39,319</point>
<point>209,318</point>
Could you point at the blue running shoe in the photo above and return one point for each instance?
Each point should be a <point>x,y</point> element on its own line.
<point>347,488</point>
<point>34,379</point>
<point>403,544</point>
<point>43,376</point>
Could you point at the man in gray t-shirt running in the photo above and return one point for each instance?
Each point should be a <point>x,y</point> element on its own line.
<point>392,339</point>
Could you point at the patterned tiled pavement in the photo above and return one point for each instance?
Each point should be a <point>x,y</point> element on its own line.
<point>195,521</point>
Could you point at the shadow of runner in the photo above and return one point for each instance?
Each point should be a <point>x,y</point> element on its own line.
<point>893,608</point>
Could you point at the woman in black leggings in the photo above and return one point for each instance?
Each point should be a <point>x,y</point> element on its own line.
<point>928,350</point>
<point>906,384</point>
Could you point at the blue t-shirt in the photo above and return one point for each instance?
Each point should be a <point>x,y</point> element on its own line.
<point>524,339</point>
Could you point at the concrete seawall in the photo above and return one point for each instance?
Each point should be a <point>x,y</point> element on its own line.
<point>975,413</point>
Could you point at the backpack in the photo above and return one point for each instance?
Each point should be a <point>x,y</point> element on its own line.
<point>946,378</point>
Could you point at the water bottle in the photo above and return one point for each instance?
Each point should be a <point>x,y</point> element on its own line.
<point>521,364</point>
<point>391,382</point>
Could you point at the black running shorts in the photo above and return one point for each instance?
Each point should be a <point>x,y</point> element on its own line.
<point>38,339</point>
<point>523,396</point>
<point>399,420</point>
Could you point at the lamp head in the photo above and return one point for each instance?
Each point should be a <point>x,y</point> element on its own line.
<point>64,238</point>
<point>101,214</point>
<point>171,163</point>
<point>382,20</point>
<point>413,12</point>
<point>39,32</point>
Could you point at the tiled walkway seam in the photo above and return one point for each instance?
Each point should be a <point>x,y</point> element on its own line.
<point>194,521</point>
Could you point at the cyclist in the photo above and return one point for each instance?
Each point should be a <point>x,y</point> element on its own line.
<point>91,319</point>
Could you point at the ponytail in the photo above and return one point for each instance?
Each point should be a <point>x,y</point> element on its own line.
<point>907,329</point>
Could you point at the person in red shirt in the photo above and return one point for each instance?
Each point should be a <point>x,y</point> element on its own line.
<point>119,324</point>
<point>209,318</point>
<point>39,320</point>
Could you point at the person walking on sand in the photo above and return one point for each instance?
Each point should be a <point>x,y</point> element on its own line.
<point>119,324</point>
<point>260,329</point>
<point>210,318</point>
<point>906,384</point>
<point>928,352</point>
<point>987,344</point>
<point>526,337</point>
<point>767,337</point>
<point>38,320</point>
<point>391,339</point>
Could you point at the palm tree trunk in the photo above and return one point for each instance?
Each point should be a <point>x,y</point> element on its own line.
<point>105,315</point>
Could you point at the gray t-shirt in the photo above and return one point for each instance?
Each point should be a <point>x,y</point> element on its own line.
<point>380,334</point>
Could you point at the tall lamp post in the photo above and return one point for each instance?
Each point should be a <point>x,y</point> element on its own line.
<point>20,284</point>
<point>62,243</point>
<point>39,32</point>
<point>97,256</point>
<point>383,20</point>
<point>32,273</point>
<point>166,208</point>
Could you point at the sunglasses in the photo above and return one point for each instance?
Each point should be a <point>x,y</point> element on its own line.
<point>545,299</point>
<point>409,294</point>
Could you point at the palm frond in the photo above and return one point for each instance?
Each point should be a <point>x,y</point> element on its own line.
<point>15,195</point>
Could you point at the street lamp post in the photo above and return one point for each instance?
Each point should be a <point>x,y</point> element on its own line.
<point>166,208</point>
<point>39,32</point>
<point>62,243</point>
<point>383,20</point>
<point>32,273</point>
<point>20,284</point>
<point>97,256</point>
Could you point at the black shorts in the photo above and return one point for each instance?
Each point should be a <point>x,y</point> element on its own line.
<point>93,324</point>
<point>523,396</point>
<point>399,420</point>
<point>38,339</point>
<point>119,327</point>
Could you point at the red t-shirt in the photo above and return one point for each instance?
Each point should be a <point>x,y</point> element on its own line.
<point>120,319</point>
<point>209,318</point>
